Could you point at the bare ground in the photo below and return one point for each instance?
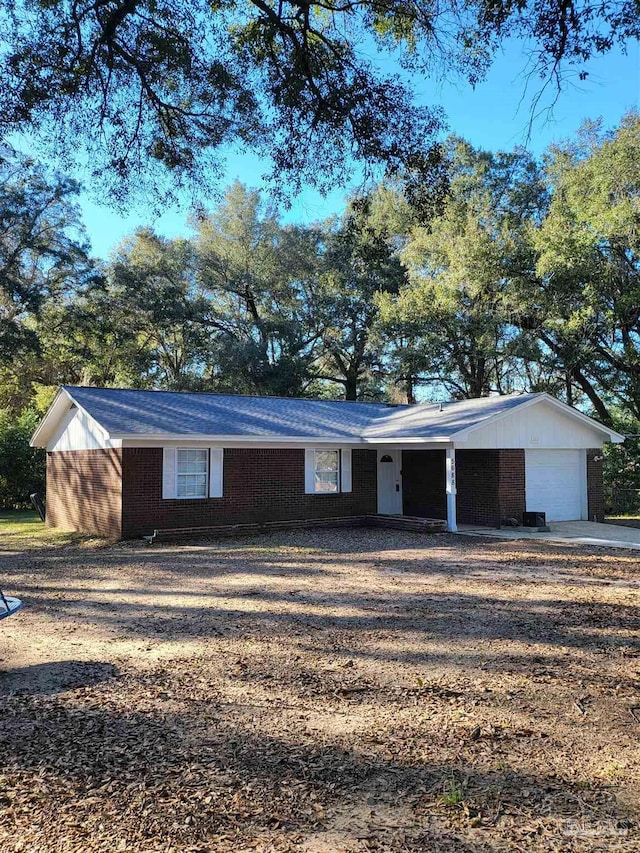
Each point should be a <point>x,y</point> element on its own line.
<point>322,692</point>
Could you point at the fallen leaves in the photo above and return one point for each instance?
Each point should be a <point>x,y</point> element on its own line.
<point>313,692</point>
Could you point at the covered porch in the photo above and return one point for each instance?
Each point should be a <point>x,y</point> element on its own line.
<point>479,487</point>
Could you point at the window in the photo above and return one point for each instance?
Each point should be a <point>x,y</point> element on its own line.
<point>191,473</point>
<point>327,471</point>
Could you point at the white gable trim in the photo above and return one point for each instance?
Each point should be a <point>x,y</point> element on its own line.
<point>63,412</point>
<point>68,426</point>
<point>78,431</point>
<point>611,434</point>
<point>51,419</point>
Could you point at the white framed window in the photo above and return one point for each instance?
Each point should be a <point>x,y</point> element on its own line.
<point>192,471</point>
<point>326,471</point>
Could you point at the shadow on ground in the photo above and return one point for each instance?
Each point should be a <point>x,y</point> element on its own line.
<point>322,692</point>
<point>54,677</point>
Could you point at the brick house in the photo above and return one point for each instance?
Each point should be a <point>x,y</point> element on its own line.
<point>123,463</point>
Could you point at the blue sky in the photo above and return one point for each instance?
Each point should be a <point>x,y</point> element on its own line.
<point>496,115</point>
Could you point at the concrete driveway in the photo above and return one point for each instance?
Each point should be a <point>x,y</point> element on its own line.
<point>574,532</point>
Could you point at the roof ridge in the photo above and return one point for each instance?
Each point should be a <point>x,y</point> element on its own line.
<point>248,396</point>
<point>305,399</point>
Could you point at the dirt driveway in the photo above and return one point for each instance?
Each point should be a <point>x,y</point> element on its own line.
<point>321,691</point>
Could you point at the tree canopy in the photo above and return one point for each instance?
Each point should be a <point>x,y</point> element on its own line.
<point>525,276</point>
<point>43,247</point>
<point>126,84</point>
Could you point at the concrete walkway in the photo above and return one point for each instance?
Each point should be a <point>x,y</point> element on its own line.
<point>567,532</point>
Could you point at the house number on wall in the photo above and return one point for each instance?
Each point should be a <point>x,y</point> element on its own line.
<point>451,470</point>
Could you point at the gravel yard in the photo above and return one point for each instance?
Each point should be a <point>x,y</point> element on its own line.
<point>322,692</point>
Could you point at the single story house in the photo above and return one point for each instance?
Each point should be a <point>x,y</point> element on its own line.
<point>123,463</point>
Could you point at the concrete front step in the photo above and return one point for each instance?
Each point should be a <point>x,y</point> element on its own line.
<point>408,522</point>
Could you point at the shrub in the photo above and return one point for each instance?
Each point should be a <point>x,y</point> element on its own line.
<point>22,468</point>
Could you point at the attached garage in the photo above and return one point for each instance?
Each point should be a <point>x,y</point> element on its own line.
<point>556,483</point>
<point>542,456</point>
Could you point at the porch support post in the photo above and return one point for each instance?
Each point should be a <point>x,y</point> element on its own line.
<point>451,489</point>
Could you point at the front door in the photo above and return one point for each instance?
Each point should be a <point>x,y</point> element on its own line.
<point>390,482</point>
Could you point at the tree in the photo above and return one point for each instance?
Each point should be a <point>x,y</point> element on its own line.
<point>454,325</point>
<point>43,248</point>
<point>585,307</point>
<point>22,468</point>
<point>153,303</point>
<point>358,263</point>
<point>131,83</point>
<point>259,279</point>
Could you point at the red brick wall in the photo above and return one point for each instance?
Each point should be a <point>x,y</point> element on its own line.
<point>491,486</point>
<point>477,480</point>
<point>259,486</point>
<point>511,485</point>
<point>83,491</point>
<point>423,483</point>
<point>595,485</point>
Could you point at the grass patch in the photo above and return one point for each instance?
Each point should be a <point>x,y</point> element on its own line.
<point>452,792</point>
<point>20,529</point>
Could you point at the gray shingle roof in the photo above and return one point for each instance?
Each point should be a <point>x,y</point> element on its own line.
<point>165,413</point>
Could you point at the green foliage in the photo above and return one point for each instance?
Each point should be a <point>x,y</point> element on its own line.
<point>42,248</point>
<point>22,468</point>
<point>452,792</point>
<point>621,465</point>
<point>132,85</point>
<point>587,295</point>
<point>259,279</point>
<point>44,267</point>
<point>525,277</point>
<point>152,314</point>
<point>455,323</point>
<point>358,264</point>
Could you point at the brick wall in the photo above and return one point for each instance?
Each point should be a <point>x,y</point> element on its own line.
<point>423,483</point>
<point>477,480</point>
<point>511,484</point>
<point>491,486</point>
<point>83,491</point>
<point>595,486</point>
<point>259,486</point>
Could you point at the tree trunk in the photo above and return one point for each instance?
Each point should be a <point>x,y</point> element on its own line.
<point>411,392</point>
<point>351,387</point>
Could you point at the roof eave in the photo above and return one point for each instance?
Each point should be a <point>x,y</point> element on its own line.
<point>279,439</point>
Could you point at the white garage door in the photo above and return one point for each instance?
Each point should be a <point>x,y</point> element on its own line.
<point>556,483</point>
